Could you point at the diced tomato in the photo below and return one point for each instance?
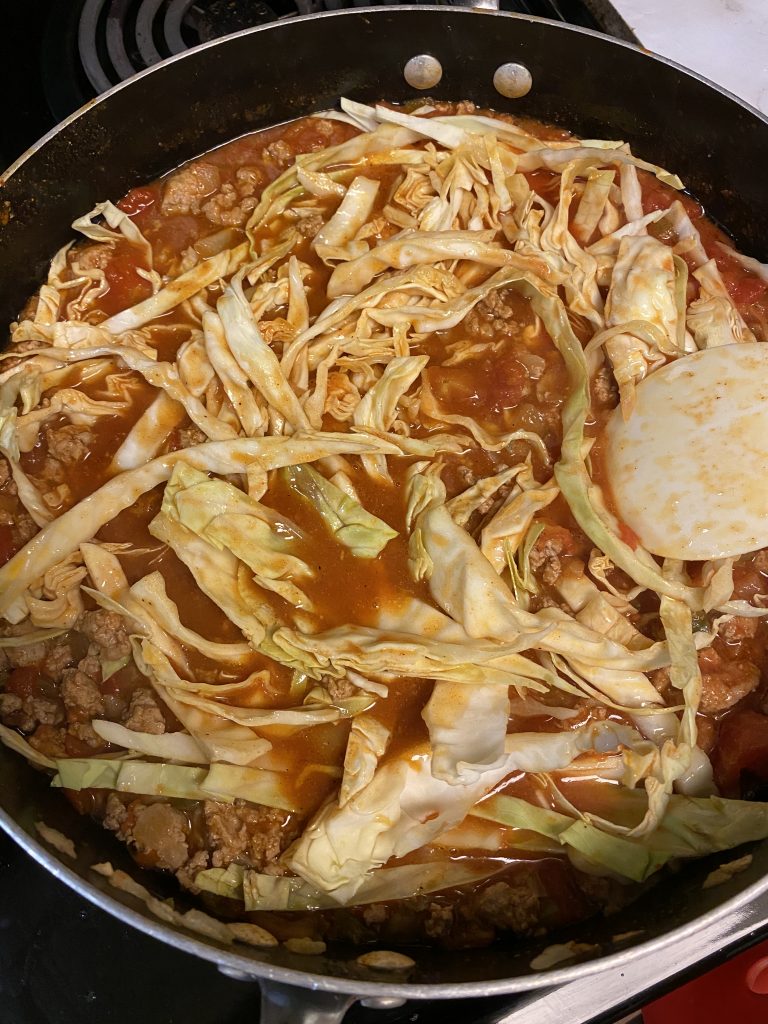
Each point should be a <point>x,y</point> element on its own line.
<point>126,287</point>
<point>25,682</point>
<point>745,288</point>
<point>138,199</point>
<point>742,746</point>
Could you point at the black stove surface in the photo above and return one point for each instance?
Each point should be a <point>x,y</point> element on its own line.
<point>58,54</point>
<point>64,961</point>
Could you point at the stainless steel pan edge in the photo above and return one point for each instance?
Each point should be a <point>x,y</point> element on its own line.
<point>681,907</point>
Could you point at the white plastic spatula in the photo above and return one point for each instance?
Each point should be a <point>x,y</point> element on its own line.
<point>689,469</point>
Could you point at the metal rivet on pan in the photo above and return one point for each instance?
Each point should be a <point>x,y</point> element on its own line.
<point>512,80</point>
<point>423,71</point>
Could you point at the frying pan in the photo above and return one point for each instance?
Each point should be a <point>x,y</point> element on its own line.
<point>582,80</point>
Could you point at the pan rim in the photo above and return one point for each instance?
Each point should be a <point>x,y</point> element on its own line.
<point>256,970</point>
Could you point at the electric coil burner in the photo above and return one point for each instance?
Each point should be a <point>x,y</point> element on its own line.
<point>63,961</point>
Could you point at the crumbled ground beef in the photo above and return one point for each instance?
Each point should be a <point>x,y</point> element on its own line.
<point>245,834</point>
<point>27,712</point>
<point>23,529</point>
<point>740,627</point>
<point>107,631</point>
<point>228,208</point>
<point>554,543</point>
<point>81,695</point>
<point>340,689</point>
<point>21,657</point>
<point>68,444</point>
<point>197,862</point>
<point>508,906</point>
<point>604,389</point>
<point>91,256</point>
<point>725,683</point>
<point>144,713</point>
<point>492,318</point>
<point>310,225</point>
<point>59,657</point>
<point>187,437</point>
<point>279,153</point>
<point>439,921</point>
<point>185,189</point>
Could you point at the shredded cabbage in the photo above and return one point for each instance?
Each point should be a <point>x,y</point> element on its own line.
<point>354,375</point>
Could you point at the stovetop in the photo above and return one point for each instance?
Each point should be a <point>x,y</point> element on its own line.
<point>63,961</point>
<point>62,53</point>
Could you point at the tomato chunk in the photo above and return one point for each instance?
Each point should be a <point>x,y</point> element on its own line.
<point>27,682</point>
<point>126,286</point>
<point>138,199</point>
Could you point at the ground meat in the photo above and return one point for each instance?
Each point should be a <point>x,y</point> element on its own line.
<point>604,389</point>
<point>82,697</point>
<point>606,893</point>
<point>157,831</point>
<point>439,921</point>
<point>725,683</point>
<point>279,153</point>
<point>49,740</point>
<point>23,346</point>
<point>186,437</point>
<point>185,190</point>
<point>4,662</point>
<point>144,713</point>
<point>5,471</point>
<point>90,664</point>
<point>51,474</point>
<point>68,444</point>
<point>27,712</point>
<point>340,689</point>
<point>228,208</point>
<point>248,180</point>
<point>82,733</point>
<point>197,862</point>
<point>115,813</point>
<point>309,226</point>
<point>23,530</point>
<point>375,913</point>
<point>107,631</point>
<point>92,257</point>
<point>58,658</point>
<point>508,906</point>
<point>21,657</point>
<point>245,834</point>
<point>740,627</point>
<point>492,318</point>
<point>545,558</point>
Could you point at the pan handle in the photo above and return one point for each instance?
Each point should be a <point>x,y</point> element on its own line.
<point>287,1004</point>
